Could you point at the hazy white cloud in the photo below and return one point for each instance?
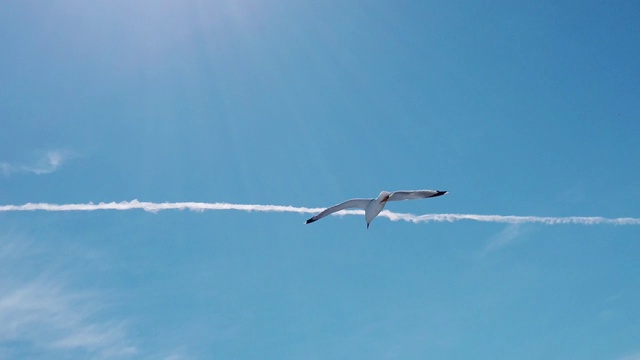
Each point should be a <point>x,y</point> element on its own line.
<point>46,163</point>
<point>49,316</point>
<point>6,168</point>
<point>511,233</point>
<point>176,357</point>
<point>199,206</point>
<point>633,356</point>
<point>42,313</point>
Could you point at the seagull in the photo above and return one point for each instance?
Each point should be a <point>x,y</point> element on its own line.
<point>373,207</point>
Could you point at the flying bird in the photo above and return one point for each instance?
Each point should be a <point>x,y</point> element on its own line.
<point>373,207</point>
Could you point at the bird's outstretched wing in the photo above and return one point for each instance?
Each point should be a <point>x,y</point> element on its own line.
<point>414,194</point>
<point>349,204</point>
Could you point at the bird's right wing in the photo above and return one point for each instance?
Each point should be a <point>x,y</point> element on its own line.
<point>414,194</point>
<point>349,204</point>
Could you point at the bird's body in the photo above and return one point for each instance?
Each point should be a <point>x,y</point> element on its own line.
<point>373,207</point>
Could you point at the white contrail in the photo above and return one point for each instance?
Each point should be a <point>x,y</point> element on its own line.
<point>511,219</point>
<point>200,206</point>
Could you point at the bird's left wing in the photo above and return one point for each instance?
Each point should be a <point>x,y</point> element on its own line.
<point>414,194</point>
<point>353,203</point>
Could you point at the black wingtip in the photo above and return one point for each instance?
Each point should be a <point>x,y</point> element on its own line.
<point>310,221</point>
<point>440,193</point>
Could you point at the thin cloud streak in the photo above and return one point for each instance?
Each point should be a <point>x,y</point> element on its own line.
<point>509,234</point>
<point>200,206</point>
<point>48,163</point>
<point>47,315</point>
<point>513,219</point>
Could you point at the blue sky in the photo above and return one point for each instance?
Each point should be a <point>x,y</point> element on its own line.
<point>516,109</point>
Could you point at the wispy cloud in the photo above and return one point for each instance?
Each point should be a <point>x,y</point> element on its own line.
<point>632,356</point>
<point>49,316</point>
<point>46,163</point>
<point>200,206</point>
<point>509,234</point>
<point>176,357</point>
<point>41,313</point>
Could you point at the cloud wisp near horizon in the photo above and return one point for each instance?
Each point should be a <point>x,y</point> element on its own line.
<point>393,216</point>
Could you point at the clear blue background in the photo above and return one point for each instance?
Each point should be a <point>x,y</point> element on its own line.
<point>516,109</point>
